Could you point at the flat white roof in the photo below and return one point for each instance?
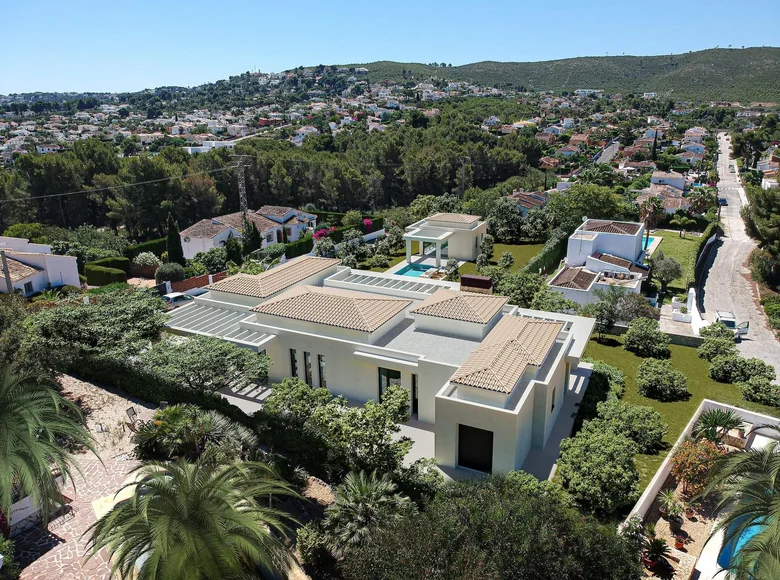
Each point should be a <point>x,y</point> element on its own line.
<point>428,235</point>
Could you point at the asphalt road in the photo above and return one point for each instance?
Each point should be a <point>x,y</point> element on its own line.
<point>609,153</point>
<point>727,285</point>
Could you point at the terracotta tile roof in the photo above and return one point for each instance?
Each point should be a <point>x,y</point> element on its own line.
<point>463,306</point>
<point>575,278</point>
<point>274,280</point>
<point>500,361</point>
<point>610,227</point>
<point>610,259</point>
<point>334,307</point>
<point>274,210</point>
<point>209,228</point>
<point>456,218</point>
<point>18,270</point>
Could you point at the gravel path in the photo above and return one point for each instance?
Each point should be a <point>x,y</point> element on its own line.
<point>728,285</point>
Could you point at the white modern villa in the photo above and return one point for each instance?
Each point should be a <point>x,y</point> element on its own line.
<point>488,378</point>
<point>276,224</point>
<point>446,235</point>
<point>601,253</point>
<point>33,268</point>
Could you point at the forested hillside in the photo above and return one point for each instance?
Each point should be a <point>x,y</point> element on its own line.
<point>751,74</point>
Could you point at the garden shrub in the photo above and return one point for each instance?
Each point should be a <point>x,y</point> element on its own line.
<point>598,470</point>
<point>657,379</point>
<point>640,424</point>
<point>11,568</point>
<point>716,330</point>
<point>101,276</point>
<point>147,259</point>
<point>170,272</point>
<point>606,382</point>
<point>313,548</point>
<point>712,347</point>
<point>379,261</point>
<point>760,390</point>
<point>735,369</point>
<point>644,338</point>
<point>552,253</point>
<point>118,262</point>
<point>693,463</point>
<point>214,260</point>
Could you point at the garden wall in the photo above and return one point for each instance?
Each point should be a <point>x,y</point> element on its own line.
<point>197,282</point>
<point>679,339</point>
<point>645,501</point>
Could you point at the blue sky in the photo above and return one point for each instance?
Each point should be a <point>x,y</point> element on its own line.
<point>57,45</point>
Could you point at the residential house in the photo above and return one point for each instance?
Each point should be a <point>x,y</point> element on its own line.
<point>579,139</point>
<point>547,138</point>
<point>33,268</point>
<point>275,224</point>
<point>47,148</point>
<point>488,378</point>
<point>568,151</point>
<point>676,180</point>
<point>527,201</point>
<point>690,157</point>
<point>446,235</point>
<point>548,162</point>
<point>601,253</point>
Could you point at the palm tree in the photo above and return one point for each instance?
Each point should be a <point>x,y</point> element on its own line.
<point>702,199</point>
<point>683,222</point>
<point>364,503</point>
<point>747,485</point>
<point>649,211</point>
<point>37,426</point>
<point>197,521</point>
<point>713,425</point>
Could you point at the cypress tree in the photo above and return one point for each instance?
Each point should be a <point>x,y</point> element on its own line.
<point>175,251</point>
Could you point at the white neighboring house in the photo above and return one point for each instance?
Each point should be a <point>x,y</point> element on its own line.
<point>273,222</point>
<point>602,253</point>
<point>672,178</point>
<point>48,148</point>
<point>34,268</point>
<point>489,378</point>
<point>692,147</point>
<point>446,235</point>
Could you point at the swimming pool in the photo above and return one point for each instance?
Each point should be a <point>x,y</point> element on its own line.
<point>733,547</point>
<point>647,243</point>
<point>413,270</point>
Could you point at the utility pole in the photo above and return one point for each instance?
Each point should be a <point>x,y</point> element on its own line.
<point>6,273</point>
<point>241,162</point>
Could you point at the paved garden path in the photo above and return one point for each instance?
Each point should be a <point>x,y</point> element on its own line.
<point>58,552</point>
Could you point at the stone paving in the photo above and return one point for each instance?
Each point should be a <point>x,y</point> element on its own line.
<point>59,551</point>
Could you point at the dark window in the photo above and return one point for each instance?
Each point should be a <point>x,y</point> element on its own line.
<point>293,363</point>
<point>475,448</point>
<point>321,364</point>
<point>307,368</point>
<point>415,405</point>
<point>552,407</point>
<point>28,287</point>
<point>388,377</point>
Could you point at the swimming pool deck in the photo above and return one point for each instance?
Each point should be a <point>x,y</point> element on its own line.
<point>418,261</point>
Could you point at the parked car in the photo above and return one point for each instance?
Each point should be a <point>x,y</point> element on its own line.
<point>723,201</point>
<point>176,299</point>
<point>730,321</point>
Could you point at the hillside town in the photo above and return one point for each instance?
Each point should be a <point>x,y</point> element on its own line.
<point>339,322</point>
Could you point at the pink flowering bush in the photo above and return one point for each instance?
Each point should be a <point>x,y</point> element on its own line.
<point>368,224</point>
<point>319,234</point>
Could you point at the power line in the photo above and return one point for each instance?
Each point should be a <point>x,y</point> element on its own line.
<point>121,186</point>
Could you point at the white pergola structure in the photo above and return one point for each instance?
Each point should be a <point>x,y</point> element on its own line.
<point>424,236</point>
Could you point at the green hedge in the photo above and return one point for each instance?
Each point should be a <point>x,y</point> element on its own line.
<point>334,218</point>
<point>157,247</point>
<point>552,253</point>
<point>102,276</point>
<point>124,375</point>
<point>298,248</point>
<point>116,262</point>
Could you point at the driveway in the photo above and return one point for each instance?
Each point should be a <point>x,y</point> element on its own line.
<point>728,285</point>
<point>609,152</point>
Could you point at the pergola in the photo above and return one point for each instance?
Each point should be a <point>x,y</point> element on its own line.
<point>426,236</point>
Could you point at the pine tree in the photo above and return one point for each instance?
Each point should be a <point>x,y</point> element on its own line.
<point>175,251</point>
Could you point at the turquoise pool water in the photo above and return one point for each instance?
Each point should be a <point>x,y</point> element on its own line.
<point>413,270</point>
<point>648,243</point>
<point>735,545</point>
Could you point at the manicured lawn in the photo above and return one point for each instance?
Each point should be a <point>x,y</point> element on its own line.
<point>684,251</point>
<point>522,253</point>
<point>676,414</point>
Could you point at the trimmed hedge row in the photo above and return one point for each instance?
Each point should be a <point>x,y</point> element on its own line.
<point>116,262</point>
<point>552,253</point>
<point>157,247</point>
<point>298,248</point>
<point>713,228</point>
<point>102,276</point>
<point>334,218</point>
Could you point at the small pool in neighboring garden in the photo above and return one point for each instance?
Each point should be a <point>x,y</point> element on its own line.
<point>733,547</point>
<point>413,270</point>
<point>647,243</point>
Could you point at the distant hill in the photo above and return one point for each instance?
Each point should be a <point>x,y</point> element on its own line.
<point>750,74</point>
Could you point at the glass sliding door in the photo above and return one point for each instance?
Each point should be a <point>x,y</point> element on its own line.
<point>415,405</point>
<point>307,368</point>
<point>388,377</point>
<point>293,363</point>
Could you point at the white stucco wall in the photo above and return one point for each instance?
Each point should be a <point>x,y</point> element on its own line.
<point>578,249</point>
<point>451,327</point>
